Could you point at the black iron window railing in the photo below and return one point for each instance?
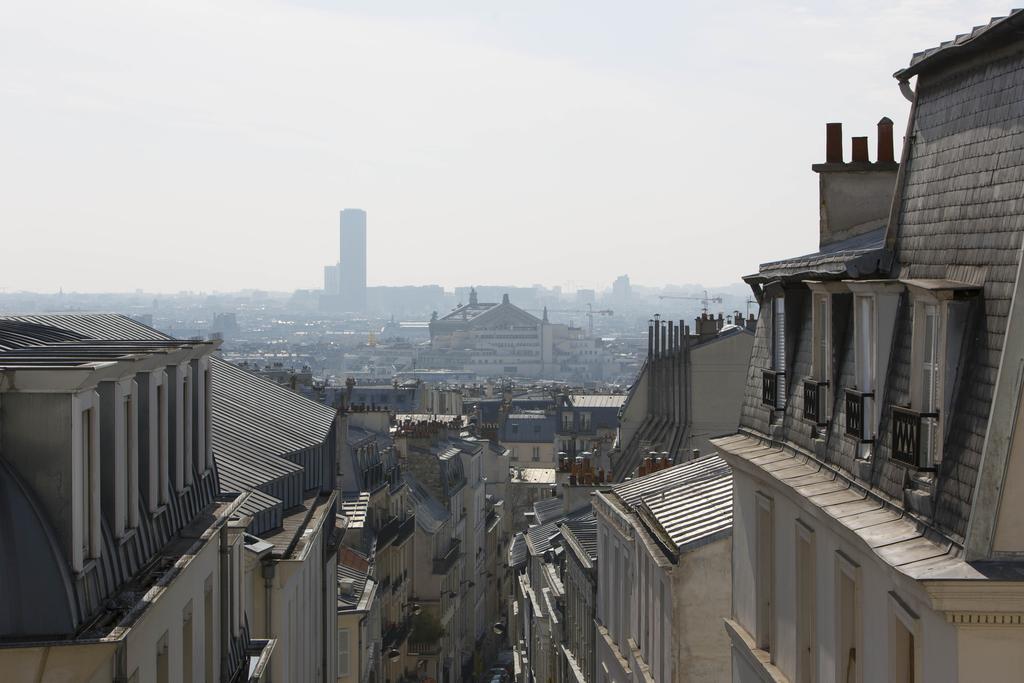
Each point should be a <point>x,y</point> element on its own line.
<point>857,403</point>
<point>443,564</point>
<point>771,383</point>
<point>912,435</point>
<point>395,634</point>
<point>815,397</point>
<point>405,530</point>
<point>388,531</point>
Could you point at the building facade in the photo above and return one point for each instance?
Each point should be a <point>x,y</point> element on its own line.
<point>125,560</point>
<point>664,543</point>
<point>877,464</point>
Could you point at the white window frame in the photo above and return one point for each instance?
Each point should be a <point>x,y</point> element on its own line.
<point>901,616</point>
<point>872,347</point>
<point>847,569</point>
<point>922,400</point>
<point>865,328</point>
<point>85,474</point>
<point>822,344</point>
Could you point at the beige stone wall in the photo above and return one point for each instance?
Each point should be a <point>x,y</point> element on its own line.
<point>701,599</point>
<point>719,372</point>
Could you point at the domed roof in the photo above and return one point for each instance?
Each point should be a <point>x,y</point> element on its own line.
<point>35,582</point>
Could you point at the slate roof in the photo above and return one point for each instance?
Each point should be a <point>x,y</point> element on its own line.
<point>532,427</point>
<point>963,45</point>
<point>903,543</point>
<point>353,576</point>
<point>853,257</point>
<point>633,491</point>
<point>548,509</point>
<point>431,514</point>
<point>962,219</point>
<point>256,423</point>
<point>538,537</point>
<point>583,531</point>
<point>517,552</point>
<point>614,401</point>
<point>698,509</point>
<point>354,508</point>
<point>469,312</point>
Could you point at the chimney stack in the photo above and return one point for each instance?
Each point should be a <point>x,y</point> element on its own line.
<point>833,143</point>
<point>860,149</point>
<point>854,197</point>
<point>885,154</point>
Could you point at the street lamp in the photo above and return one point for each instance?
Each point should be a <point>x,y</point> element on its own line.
<point>394,655</point>
<point>414,607</point>
<point>498,628</point>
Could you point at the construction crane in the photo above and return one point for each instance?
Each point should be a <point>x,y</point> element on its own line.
<point>589,312</point>
<point>705,300</point>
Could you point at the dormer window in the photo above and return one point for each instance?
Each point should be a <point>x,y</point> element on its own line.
<point>860,398</point>
<point>939,310</point>
<point>875,303</point>
<point>816,395</point>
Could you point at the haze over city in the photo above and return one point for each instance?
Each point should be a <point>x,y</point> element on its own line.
<point>534,142</point>
<point>524,342</point>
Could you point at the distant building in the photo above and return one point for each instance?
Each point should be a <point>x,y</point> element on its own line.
<point>332,279</point>
<point>585,296</point>
<point>501,340</point>
<point>621,289</point>
<point>352,263</point>
<point>689,390</point>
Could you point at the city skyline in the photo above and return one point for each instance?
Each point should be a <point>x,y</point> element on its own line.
<point>525,137</point>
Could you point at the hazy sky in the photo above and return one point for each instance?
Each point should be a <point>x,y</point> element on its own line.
<point>193,144</point>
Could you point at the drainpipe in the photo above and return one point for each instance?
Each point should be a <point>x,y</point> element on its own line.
<point>269,569</point>
<point>225,605</point>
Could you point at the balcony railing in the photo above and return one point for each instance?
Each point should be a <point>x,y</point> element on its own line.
<point>909,430</point>
<point>427,648</point>
<point>771,382</point>
<point>815,395</point>
<point>395,634</point>
<point>443,564</point>
<point>388,531</point>
<point>856,409</point>
<point>405,530</point>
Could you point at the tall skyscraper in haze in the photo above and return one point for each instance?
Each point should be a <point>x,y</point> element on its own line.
<point>352,264</point>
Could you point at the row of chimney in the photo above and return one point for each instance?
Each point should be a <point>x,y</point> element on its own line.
<point>654,463</point>
<point>859,147</point>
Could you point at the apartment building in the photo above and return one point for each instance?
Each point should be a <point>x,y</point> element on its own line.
<point>124,559</point>
<point>376,497</point>
<point>529,436</point>
<point>579,576</point>
<point>443,475</point>
<point>663,540</point>
<point>877,464</point>
<point>689,390</point>
<point>588,423</point>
